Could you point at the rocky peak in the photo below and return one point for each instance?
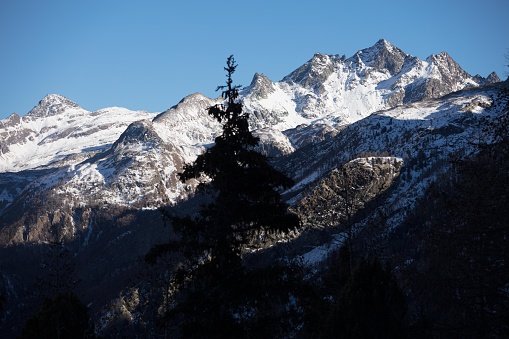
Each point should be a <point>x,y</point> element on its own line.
<point>449,69</point>
<point>12,120</point>
<point>260,87</point>
<point>50,105</point>
<point>383,56</point>
<point>490,79</point>
<point>314,72</point>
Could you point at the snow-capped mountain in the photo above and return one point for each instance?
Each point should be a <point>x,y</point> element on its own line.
<point>131,158</point>
<point>188,125</point>
<point>340,91</point>
<point>327,91</point>
<point>58,131</point>
<point>382,111</point>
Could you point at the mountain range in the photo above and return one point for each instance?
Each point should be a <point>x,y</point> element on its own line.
<point>99,177</point>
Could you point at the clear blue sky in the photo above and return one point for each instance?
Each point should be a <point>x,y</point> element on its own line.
<point>149,54</point>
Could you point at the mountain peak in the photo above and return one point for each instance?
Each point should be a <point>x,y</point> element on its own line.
<point>448,68</point>
<point>384,43</point>
<point>383,55</point>
<point>443,59</point>
<point>490,79</point>
<point>192,98</point>
<point>261,86</point>
<point>441,56</point>
<point>186,114</point>
<point>50,105</point>
<point>258,78</point>
<point>314,72</point>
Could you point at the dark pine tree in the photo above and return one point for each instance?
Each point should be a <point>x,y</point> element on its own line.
<point>212,294</point>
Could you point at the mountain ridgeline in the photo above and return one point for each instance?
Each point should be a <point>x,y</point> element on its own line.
<point>370,143</point>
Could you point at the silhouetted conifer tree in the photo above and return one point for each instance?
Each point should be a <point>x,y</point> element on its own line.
<point>213,295</point>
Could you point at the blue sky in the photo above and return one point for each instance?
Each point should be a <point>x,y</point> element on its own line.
<point>149,54</point>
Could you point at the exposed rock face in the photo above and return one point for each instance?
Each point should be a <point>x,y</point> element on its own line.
<point>11,121</point>
<point>383,56</point>
<point>260,89</point>
<point>314,73</point>
<point>343,193</point>
<point>445,76</point>
<point>14,137</point>
<point>140,132</point>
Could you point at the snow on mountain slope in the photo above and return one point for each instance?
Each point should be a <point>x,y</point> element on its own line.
<point>339,91</point>
<point>439,126</point>
<point>188,125</point>
<point>57,129</point>
<point>116,163</point>
<point>139,169</point>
